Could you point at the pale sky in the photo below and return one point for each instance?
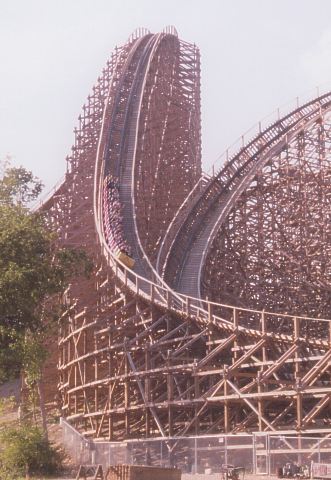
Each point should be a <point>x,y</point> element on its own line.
<point>255,56</point>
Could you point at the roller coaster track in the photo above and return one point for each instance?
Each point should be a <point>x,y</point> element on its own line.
<point>142,352</point>
<point>197,231</point>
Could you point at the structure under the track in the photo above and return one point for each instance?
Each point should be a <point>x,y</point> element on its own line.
<point>209,332</point>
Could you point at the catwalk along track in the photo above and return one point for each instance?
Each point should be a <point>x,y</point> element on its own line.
<point>204,313</point>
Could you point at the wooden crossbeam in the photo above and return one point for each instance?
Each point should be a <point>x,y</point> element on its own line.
<point>246,421</point>
<point>283,413</point>
<point>147,330</point>
<point>251,406</point>
<point>271,370</point>
<point>190,342</point>
<point>275,394</point>
<point>217,350</point>
<point>317,370</point>
<point>323,402</point>
<point>82,379</point>
<point>234,367</point>
<point>169,335</point>
<point>142,393</point>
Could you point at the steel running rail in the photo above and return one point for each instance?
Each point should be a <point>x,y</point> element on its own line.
<point>159,292</point>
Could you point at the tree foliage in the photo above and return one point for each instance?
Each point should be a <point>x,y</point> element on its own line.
<point>18,186</point>
<point>25,451</point>
<point>31,270</point>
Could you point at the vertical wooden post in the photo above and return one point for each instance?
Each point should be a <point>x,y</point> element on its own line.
<point>235,343</point>
<point>147,392</point>
<point>299,411</point>
<point>299,404</point>
<point>188,305</point>
<point>262,387</point>
<point>196,395</point>
<point>111,386</point>
<point>299,448</point>
<point>84,363</point>
<point>226,405</point>
<point>169,298</point>
<point>126,397</point>
<point>235,317</point>
<point>264,331</point>
<point>296,331</point>
<point>259,401</point>
<point>170,394</point>
<point>210,312</point>
<point>96,390</point>
<point>76,384</point>
<point>296,322</point>
<point>110,403</point>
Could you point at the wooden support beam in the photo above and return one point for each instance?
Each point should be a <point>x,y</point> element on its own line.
<point>317,408</point>
<point>217,350</point>
<point>317,370</point>
<point>189,343</point>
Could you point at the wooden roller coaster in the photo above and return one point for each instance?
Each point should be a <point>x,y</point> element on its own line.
<point>204,313</point>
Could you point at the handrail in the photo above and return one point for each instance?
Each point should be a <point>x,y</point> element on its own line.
<point>138,33</point>
<point>264,123</point>
<point>170,29</point>
<point>202,310</point>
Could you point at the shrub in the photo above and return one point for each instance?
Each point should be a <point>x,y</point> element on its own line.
<point>7,404</point>
<point>24,450</point>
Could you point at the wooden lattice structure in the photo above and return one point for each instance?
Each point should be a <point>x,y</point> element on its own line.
<point>142,353</point>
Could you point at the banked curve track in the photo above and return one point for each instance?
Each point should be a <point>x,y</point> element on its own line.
<point>142,354</point>
<point>194,237</point>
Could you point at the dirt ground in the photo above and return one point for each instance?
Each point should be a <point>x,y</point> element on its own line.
<point>217,476</point>
<point>214,476</point>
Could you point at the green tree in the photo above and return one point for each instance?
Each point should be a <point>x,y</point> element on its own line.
<point>32,272</point>
<point>25,451</point>
<point>30,269</point>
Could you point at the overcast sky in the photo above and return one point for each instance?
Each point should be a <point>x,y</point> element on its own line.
<point>256,55</point>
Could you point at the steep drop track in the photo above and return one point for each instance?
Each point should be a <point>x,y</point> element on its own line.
<point>142,353</point>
